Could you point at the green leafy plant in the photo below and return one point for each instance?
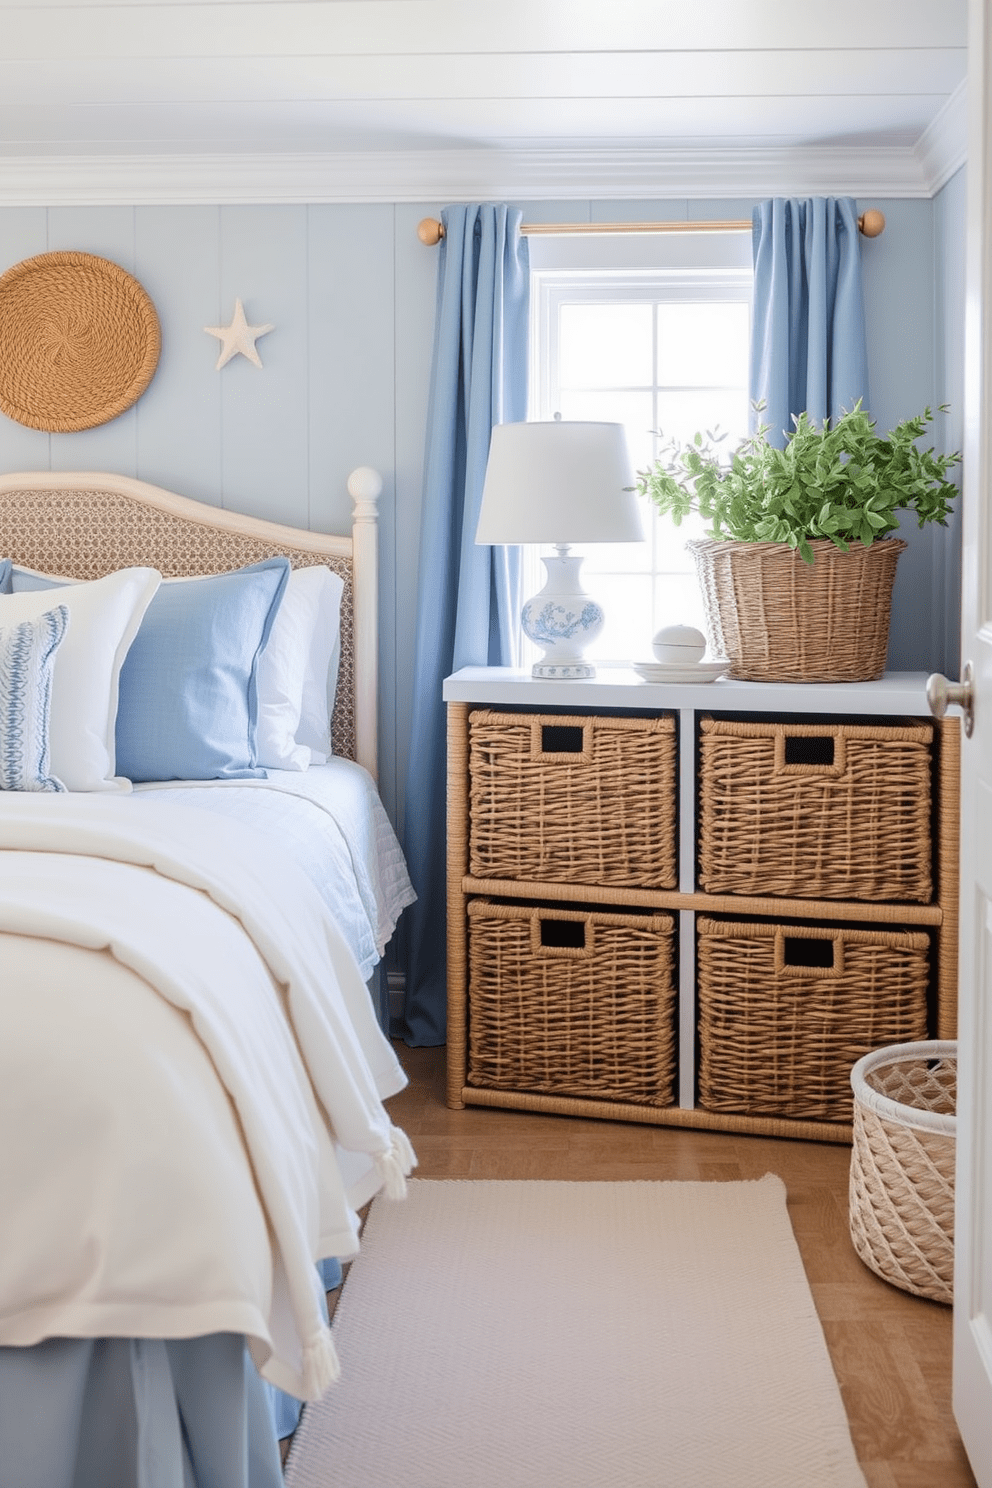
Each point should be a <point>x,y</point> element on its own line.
<point>841,481</point>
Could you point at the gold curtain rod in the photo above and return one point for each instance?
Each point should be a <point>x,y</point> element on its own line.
<point>430,231</point>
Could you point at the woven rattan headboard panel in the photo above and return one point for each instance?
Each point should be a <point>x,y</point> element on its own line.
<point>84,525</point>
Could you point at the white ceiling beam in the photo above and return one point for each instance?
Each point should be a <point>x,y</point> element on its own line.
<point>568,75</point>
<point>411,26</point>
<point>419,125</point>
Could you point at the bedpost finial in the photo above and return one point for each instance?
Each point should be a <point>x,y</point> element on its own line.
<point>364,485</point>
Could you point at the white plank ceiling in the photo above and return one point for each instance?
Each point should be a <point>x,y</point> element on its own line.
<point>405,95</point>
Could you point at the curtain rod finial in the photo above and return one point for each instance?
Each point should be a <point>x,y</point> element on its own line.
<point>430,231</point>
<point>872,223</point>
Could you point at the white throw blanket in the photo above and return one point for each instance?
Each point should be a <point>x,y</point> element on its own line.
<point>242,946</point>
<point>335,827</point>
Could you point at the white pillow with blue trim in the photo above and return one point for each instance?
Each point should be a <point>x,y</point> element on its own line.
<point>27,661</point>
<point>104,616</point>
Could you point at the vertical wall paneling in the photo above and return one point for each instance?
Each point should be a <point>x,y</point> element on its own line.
<point>677,209</point>
<point>898,270</point>
<point>23,234</point>
<point>263,262</point>
<point>735,209</point>
<point>177,259</point>
<point>554,211</point>
<point>351,387</point>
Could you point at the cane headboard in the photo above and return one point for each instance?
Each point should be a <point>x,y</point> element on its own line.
<point>84,524</point>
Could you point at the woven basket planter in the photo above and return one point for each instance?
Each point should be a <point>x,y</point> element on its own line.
<point>778,619</point>
<point>902,1165</point>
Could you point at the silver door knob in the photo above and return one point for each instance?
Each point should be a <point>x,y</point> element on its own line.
<point>941,694</point>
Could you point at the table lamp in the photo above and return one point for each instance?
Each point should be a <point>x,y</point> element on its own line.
<point>555,480</point>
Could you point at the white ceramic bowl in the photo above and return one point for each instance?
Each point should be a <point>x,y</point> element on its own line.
<point>679,643</point>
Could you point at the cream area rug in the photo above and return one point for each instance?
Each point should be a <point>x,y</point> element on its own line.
<point>578,1335</point>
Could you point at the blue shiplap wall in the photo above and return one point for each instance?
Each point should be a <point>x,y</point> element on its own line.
<point>351,290</point>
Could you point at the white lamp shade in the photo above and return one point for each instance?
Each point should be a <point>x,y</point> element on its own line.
<point>559,482</point>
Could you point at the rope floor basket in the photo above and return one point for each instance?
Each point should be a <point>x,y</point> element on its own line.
<point>902,1165</point>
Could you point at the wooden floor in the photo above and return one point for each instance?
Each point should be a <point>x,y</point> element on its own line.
<point>891,1351</point>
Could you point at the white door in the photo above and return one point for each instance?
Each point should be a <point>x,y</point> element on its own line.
<point>973,1220</point>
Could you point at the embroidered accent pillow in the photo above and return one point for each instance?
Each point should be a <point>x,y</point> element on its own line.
<point>104,615</point>
<point>27,660</point>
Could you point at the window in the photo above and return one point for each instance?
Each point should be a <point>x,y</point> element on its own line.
<point>651,332</point>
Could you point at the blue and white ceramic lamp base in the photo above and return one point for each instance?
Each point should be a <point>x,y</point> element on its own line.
<point>563,620</point>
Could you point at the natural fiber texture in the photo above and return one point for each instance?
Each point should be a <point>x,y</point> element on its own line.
<point>778,619</point>
<point>583,799</point>
<point>590,1019</point>
<point>79,341</point>
<point>781,1038</point>
<point>902,1166</point>
<point>86,534</point>
<point>856,826</point>
<point>576,1335</point>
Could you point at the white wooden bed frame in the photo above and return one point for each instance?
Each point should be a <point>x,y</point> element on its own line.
<point>84,524</point>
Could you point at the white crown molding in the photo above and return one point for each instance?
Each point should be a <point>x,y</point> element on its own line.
<point>613,173</point>
<point>942,148</point>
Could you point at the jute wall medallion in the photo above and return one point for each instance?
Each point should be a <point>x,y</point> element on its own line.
<point>79,341</point>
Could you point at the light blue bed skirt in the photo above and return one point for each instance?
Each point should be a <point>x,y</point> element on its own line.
<point>142,1413</point>
<point>135,1413</point>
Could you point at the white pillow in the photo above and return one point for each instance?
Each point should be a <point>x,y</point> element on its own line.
<point>104,616</point>
<point>297,672</point>
<point>321,680</point>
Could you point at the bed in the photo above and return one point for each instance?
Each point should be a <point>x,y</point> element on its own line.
<point>197,884</point>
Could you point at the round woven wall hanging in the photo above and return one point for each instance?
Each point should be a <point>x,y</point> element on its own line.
<point>79,341</point>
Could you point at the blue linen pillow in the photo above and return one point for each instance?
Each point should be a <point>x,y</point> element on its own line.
<point>27,659</point>
<point>188,702</point>
<point>6,582</point>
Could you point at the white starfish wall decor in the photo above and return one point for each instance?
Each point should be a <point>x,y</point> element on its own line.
<point>238,338</point>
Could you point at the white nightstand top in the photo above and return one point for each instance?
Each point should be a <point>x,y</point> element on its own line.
<point>621,687</point>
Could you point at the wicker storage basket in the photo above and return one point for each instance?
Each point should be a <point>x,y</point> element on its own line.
<point>779,1037</point>
<point>571,1002</point>
<point>902,1165</point>
<point>831,811</point>
<point>778,619</point>
<point>563,799</point>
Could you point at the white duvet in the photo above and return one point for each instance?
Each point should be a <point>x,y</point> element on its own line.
<point>191,1084</point>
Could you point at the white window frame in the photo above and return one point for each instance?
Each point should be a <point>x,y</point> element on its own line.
<point>600,268</point>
